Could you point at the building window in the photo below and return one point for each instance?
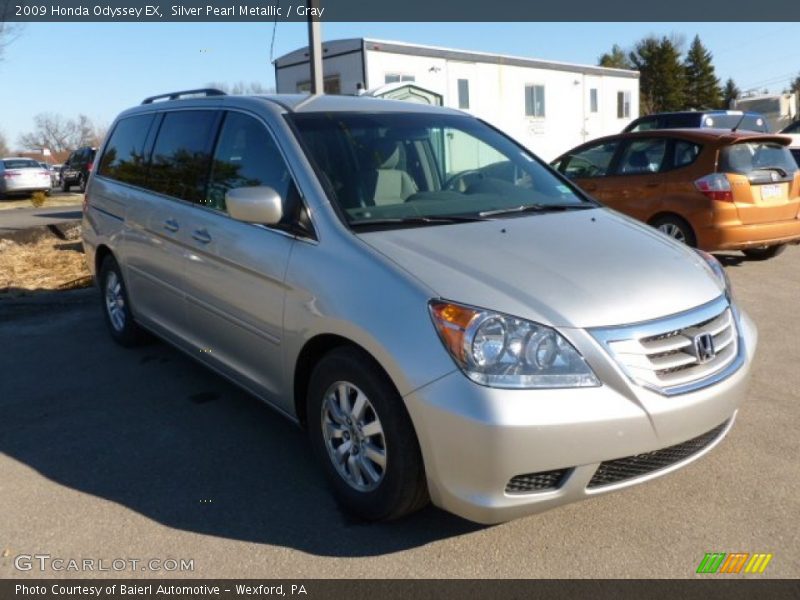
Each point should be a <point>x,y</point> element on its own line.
<point>397,78</point>
<point>534,100</point>
<point>463,93</point>
<point>593,100</point>
<point>331,85</point>
<point>623,105</point>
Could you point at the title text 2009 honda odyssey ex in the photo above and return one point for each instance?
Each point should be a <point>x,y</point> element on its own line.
<point>447,316</point>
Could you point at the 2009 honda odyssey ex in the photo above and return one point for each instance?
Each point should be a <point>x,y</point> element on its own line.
<point>447,316</point>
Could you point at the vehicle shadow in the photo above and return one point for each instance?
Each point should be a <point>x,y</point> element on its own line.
<point>64,214</point>
<point>154,431</point>
<point>731,260</point>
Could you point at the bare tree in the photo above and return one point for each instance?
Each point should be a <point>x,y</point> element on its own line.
<point>241,88</point>
<point>58,134</point>
<point>4,151</point>
<point>8,31</point>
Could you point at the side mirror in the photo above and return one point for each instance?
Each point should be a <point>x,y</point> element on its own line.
<point>258,204</point>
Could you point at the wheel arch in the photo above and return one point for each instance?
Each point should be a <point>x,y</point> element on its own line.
<point>310,355</point>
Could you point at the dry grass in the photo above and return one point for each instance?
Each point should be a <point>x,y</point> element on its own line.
<point>48,264</point>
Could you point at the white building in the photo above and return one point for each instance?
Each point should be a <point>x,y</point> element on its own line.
<point>548,106</point>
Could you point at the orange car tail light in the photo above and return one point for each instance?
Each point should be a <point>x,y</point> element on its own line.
<point>716,186</point>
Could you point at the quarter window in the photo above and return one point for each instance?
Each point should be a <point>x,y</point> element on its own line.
<point>685,153</point>
<point>534,101</point>
<point>246,156</point>
<point>182,154</point>
<point>124,157</point>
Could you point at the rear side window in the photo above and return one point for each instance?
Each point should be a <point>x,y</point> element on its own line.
<point>796,153</point>
<point>123,158</point>
<point>182,154</point>
<point>246,156</point>
<point>643,156</point>
<point>753,157</point>
<point>680,121</point>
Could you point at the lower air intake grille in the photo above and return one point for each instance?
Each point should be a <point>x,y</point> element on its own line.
<point>621,469</point>
<point>536,482</point>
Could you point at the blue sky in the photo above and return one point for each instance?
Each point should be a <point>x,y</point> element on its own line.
<point>100,69</point>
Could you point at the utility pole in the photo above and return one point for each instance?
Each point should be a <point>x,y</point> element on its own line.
<point>315,47</point>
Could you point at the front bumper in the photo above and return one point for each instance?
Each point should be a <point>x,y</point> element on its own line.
<point>475,439</point>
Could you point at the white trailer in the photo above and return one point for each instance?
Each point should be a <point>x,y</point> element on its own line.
<point>547,106</point>
<point>780,110</point>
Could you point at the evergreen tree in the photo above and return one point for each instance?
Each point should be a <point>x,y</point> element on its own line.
<point>730,93</point>
<point>702,84</point>
<point>794,86</point>
<point>662,83</point>
<point>616,59</point>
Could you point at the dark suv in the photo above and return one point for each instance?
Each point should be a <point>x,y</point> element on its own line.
<point>77,168</point>
<point>717,119</point>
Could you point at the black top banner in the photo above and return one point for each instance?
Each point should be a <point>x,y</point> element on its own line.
<point>406,11</point>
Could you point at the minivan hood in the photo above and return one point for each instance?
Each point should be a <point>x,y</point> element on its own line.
<point>586,268</point>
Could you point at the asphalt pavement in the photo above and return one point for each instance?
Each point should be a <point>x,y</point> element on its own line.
<point>110,453</point>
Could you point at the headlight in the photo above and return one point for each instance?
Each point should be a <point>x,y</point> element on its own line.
<point>718,272</point>
<point>502,351</point>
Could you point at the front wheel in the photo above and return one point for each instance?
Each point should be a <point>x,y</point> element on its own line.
<point>364,438</point>
<point>764,253</point>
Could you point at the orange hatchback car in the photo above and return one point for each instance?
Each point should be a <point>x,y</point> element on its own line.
<point>712,189</point>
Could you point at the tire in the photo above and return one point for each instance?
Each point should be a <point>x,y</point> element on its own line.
<point>361,485</point>
<point>116,306</point>
<point>675,227</point>
<point>65,187</point>
<point>764,253</point>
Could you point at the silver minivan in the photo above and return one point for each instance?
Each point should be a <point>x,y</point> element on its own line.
<point>449,318</point>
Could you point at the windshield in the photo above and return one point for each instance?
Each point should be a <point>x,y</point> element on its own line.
<point>432,168</point>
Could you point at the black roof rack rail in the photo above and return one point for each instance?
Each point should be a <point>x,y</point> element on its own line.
<point>178,95</point>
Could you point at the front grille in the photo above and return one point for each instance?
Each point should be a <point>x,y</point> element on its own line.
<point>536,482</point>
<point>615,471</point>
<point>662,355</point>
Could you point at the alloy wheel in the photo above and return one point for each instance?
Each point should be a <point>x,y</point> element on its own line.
<point>354,436</point>
<point>115,302</point>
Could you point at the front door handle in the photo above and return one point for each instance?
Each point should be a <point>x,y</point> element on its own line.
<point>171,225</point>
<point>652,184</point>
<point>201,235</point>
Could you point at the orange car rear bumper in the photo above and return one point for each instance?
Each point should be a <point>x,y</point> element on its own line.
<point>737,237</point>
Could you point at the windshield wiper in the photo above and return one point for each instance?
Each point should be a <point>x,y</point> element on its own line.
<point>781,171</point>
<point>433,220</point>
<point>534,208</point>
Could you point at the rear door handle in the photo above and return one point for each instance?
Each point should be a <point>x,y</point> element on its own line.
<point>652,184</point>
<point>171,225</point>
<point>201,235</point>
